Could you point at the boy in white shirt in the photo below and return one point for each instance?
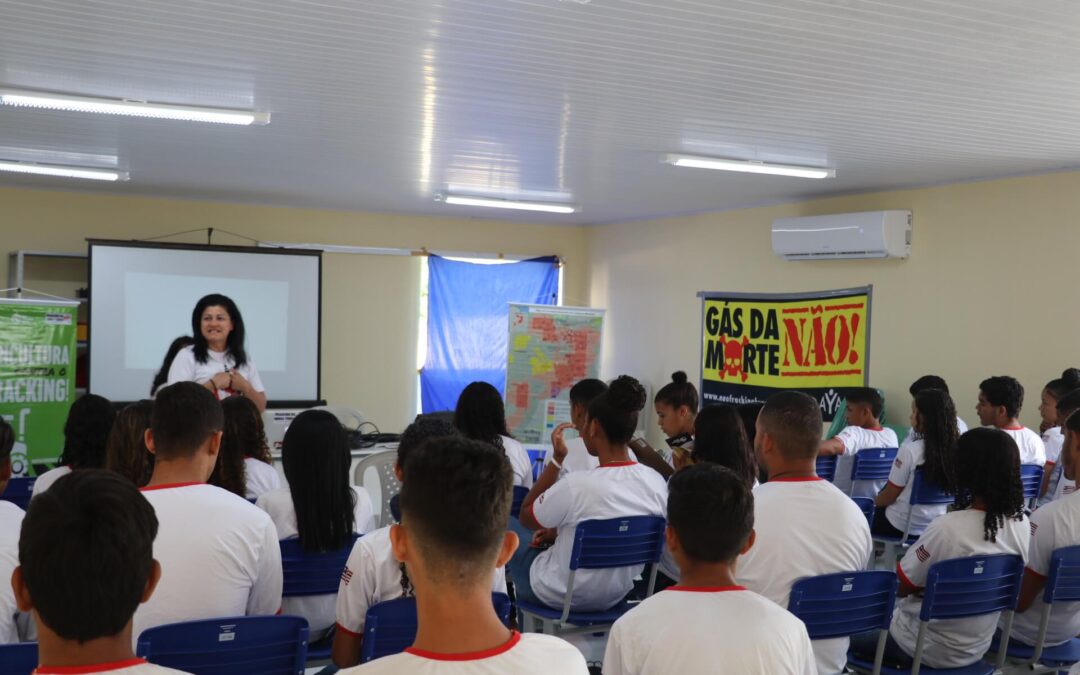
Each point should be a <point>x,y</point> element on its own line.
<point>863,431</point>
<point>922,384</point>
<point>220,552</point>
<point>721,627</point>
<point>85,563</point>
<point>1000,400</point>
<point>450,547</point>
<point>805,526</point>
<point>577,455</point>
<point>14,625</point>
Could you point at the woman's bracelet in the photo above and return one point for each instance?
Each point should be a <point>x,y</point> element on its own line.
<point>556,463</point>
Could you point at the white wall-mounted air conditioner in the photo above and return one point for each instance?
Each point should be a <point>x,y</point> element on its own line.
<point>870,234</point>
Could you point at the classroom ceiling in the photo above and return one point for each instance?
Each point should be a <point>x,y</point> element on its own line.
<point>377,105</point>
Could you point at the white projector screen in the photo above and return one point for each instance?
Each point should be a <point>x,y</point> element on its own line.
<point>142,296</point>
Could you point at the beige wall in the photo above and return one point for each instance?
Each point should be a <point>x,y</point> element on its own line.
<point>370,303</point>
<point>984,292</point>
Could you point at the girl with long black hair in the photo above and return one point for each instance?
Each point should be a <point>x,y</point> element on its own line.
<point>481,416</point>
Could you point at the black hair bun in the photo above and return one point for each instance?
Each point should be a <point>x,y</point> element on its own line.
<point>1071,378</point>
<point>679,377</point>
<point>627,394</point>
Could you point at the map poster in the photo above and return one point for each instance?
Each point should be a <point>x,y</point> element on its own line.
<point>550,349</point>
<point>755,345</point>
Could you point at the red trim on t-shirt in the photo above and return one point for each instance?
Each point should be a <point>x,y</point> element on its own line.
<point>889,482</point>
<point>611,464</point>
<point>877,428</point>
<point>468,656</point>
<point>1049,463</point>
<point>705,589</point>
<point>1012,428</point>
<point>802,479</point>
<point>167,486</point>
<point>905,581</point>
<point>343,629</point>
<point>95,668</point>
<point>1041,576</point>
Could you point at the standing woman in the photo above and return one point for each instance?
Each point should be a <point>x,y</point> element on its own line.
<point>481,416</point>
<point>217,359</point>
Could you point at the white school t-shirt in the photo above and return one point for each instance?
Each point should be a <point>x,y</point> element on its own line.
<point>854,440</point>
<point>186,369</point>
<point>1032,450</point>
<point>519,461</point>
<point>529,654</point>
<point>951,643</point>
<point>708,630</point>
<point>913,435</point>
<point>1053,526</point>
<point>805,527</point>
<point>908,458</point>
<point>259,478</point>
<point>129,667</point>
<point>1053,440</point>
<point>610,491</point>
<point>11,620</point>
<point>219,557</point>
<point>372,575</point>
<point>317,609</point>
<point>577,458</point>
<point>45,480</point>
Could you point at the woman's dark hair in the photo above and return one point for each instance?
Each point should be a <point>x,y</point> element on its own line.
<point>162,375</point>
<point>229,471</point>
<point>234,344</point>
<point>939,431</point>
<point>749,413</point>
<point>1068,403</point>
<point>677,393</point>
<point>719,438</point>
<point>315,452</point>
<point>481,414</point>
<point>1059,386</point>
<point>988,468</point>
<point>86,432</point>
<point>244,428</point>
<point>126,452</point>
<point>616,410</point>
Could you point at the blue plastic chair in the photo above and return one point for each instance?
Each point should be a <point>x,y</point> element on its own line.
<point>520,492</point>
<point>272,645</point>
<point>872,464</point>
<point>826,467</point>
<point>18,491</point>
<point>390,627</point>
<point>1031,475</point>
<point>537,459</point>
<point>923,493</point>
<point>961,588</point>
<point>601,544</point>
<point>866,505</point>
<point>395,507</point>
<point>846,604</point>
<point>306,573</point>
<point>18,659</point>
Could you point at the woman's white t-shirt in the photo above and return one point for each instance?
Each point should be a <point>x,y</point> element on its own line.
<point>186,369</point>
<point>45,480</point>
<point>908,458</point>
<point>578,457</point>
<point>519,461</point>
<point>259,478</point>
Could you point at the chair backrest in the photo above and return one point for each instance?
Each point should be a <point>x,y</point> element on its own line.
<point>846,603</point>
<point>826,467</point>
<point>18,659</point>
<point>536,459</point>
<point>1063,582</point>
<point>971,586</point>
<point>925,492</point>
<point>243,644</point>
<point>390,627</point>
<point>520,492</point>
<point>19,490</point>
<point>384,486</point>
<point>873,463</point>
<point>866,505</point>
<point>312,573</point>
<point>618,542</point>
<point>1031,476</point>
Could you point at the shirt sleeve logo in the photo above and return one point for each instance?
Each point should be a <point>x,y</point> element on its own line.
<point>346,576</point>
<point>922,554</point>
<point>898,463</point>
<point>1034,528</point>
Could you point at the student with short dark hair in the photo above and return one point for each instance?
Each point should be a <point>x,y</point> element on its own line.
<point>481,415</point>
<point>1000,400</point>
<point>805,526</point>
<point>577,455</point>
<point>922,384</point>
<point>721,626</point>
<point>85,564</point>
<point>863,431</point>
<point>450,546</point>
<point>86,432</point>
<point>220,552</point>
<point>126,452</point>
<point>14,627</point>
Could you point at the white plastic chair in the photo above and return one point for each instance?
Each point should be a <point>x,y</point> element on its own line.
<point>375,473</point>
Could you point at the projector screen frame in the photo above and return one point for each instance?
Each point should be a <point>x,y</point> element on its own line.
<point>216,248</point>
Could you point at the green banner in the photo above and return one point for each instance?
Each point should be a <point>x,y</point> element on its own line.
<point>37,378</point>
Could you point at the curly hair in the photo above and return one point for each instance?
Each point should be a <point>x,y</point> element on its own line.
<point>988,470</point>
<point>229,472</point>
<point>940,433</point>
<point>1005,391</point>
<point>1060,386</point>
<point>86,432</point>
<point>720,438</point>
<point>481,414</point>
<point>126,452</point>
<point>616,410</point>
<point>244,428</point>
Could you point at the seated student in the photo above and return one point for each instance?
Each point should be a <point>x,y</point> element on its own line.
<point>318,506</point>
<point>676,407</point>
<point>481,416</point>
<point>1000,399</point>
<point>13,626</point>
<point>244,428</point>
<point>85,563</point>
<point>162,375</point>
<point>749,413</point>
<point>86,432</point>
<point>1053,526</point>
<point>922,384</point>
<point>125,451</point>
<point>989,519</point>
<point>719,438</point>
<point>619,487</point>
<point>230,469</point>
<point>372,574</point>
<point>721,627</point>
<point>1059,484</point>
<point>933,417</point>
<point>1052,434</point>
<point>864,408</point>
<point>450,547</point>
<point>577,456</point>
<point>219,553</point>
<point>805,526</point>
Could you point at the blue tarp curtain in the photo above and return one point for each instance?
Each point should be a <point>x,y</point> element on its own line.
<point>468,322</point>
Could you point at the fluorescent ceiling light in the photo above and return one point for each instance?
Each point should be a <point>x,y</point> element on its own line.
<point>546,207</point>
<point>108,106</point>
<point>63,171</point>
<point>750,166</point>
